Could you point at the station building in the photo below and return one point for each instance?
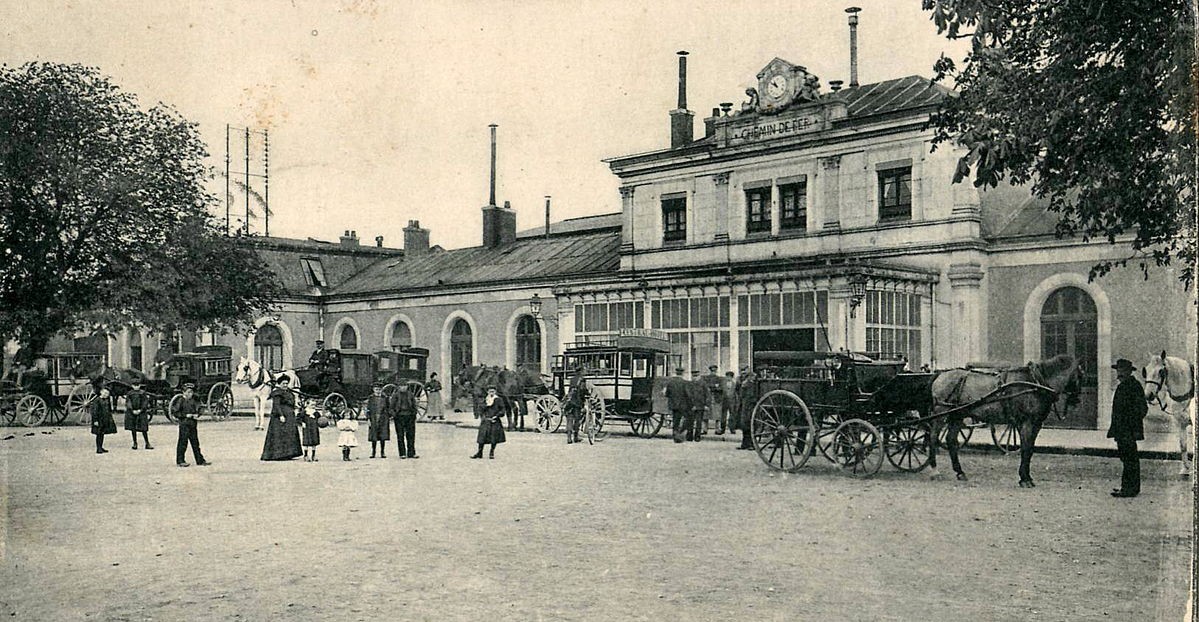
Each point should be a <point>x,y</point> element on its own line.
<point>806,219</point>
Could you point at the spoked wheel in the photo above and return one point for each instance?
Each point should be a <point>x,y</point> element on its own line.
<point>220,401</point>
<point>857,447</point>
<point>417,389</point>
<point>334,405</point>
<point>31,410</point>
<point>1006,437</point>
<point>646,426</point>
<point>388,389</point>
<point>549,413</point>
<point>173,408</point>
<point>597,417</point>
<point>964,435</point>
<point>826,431</point>
<point>907,446</point>
<point>782,429</point>
<point>79,403</point>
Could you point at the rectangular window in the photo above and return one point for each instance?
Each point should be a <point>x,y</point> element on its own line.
<point>895,194</point>
<point>893,325</point>
<point>674,219</point>
<point>314,272</point>
<point>757,210</point>
<point>793,205</point>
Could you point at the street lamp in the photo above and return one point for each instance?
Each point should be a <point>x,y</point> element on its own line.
<point>857,292</point>
<point>535,310</point>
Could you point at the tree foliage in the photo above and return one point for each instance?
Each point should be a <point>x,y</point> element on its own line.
<point>1092,102</point>
<point>104,215</point>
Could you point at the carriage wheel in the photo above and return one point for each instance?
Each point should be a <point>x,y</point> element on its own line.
<point>964,434</point>
<point>388,389</point>
<point>907,446</point>
<point>857,446</point>
<point>173,407</point>
<point>549,413</point>
<point>782,429</point>
<point>599,414</point>
<point>220,401</point>
<point>31,410</point>
<point>646,426</point>
<point>57,414</point>
<point>829,420</point>
<point>417,389</point>
<point>79,403</point>
<point>1006,437</point>
<point>152,407</point>
<point>335,404</point>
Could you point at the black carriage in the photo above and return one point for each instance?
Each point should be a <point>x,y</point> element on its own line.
<point>623,371</point>
<point>210,368</point>
<point>851,408</point>
<point>404,366</point>
<point>344,383</point>
<point>47,393</point>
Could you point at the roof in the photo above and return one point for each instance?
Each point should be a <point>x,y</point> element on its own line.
<point>337,262</point>
<point>582,224</point>
<point>892,96</point>
<point>522,261</point>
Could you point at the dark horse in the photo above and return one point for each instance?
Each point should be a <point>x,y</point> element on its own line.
<point>509,384</point>
<point>1021,396</point>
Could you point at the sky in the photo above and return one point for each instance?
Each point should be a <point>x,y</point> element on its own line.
<point>377,111</point>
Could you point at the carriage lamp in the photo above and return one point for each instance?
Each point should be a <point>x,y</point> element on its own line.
<point>857,292</point>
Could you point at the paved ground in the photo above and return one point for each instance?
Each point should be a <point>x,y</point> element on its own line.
<point>627,529</point>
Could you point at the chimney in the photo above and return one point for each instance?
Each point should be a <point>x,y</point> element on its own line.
<point>547,215</point>
<point>853,45</point>
<point>491,195</point>
<point>682,126</point>
<point>379,241</point>
<point>499,225</point>
<point>710,123</point>
<point>349,238</point>
<point>416,239</point>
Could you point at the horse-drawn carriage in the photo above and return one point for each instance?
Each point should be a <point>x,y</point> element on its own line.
<point>622,371</point>
<point>210,368</point>
<point>405,366</point>
<point>47,393</point>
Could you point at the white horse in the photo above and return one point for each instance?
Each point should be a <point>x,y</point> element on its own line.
<point>1169,381</point>
<point>260,382</point>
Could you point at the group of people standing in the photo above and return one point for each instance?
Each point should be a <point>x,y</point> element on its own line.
<point>726,400</point>
<point>138,405</point>
<point>399,408</point>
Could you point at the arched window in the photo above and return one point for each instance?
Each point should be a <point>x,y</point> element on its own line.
<point>461,349</point>
<point>268,347</point>
<point>135,349</point>
<point>348,340</point>
<point>401,336</point>
<point>1070,325</point>
<point>528,344</point>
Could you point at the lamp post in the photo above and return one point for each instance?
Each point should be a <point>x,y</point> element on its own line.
<point>535,310</point>
<point>857,292</point>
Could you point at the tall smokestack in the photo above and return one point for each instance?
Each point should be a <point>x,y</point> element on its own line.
<point>853,44</point>
<point>547,215</point>
<point>491,196</point>
<point>682,126</point>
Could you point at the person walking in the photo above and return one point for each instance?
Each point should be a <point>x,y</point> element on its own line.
<point>137,419</point>
<point>403,408</point>
<point>1128,412</point>
<point>378,414</point>
<point>102,421</point>
<point>678,399</point>
<point>433,393</point>
<point>491,423</point>
<point>747,398</point>
<point>283,432</point>
<point>187,413</point>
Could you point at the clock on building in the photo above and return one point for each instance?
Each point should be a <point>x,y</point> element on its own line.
<point>776,88</point>
<point>781,84</point>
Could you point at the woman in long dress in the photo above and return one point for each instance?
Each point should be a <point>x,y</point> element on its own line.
<point>491,430</point>
<point>282,433</point>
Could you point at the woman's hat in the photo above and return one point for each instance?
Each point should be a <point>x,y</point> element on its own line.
<point>1123,365</point>
<point>284,379</point>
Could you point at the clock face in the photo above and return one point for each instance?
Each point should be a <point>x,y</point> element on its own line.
<point>776,87</point>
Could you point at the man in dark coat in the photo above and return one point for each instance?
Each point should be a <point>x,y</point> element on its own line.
<point>378,413</point>
<point>187,412</point>
<point>713,382</point>
<point>576,395</point>
<point>678,397</point>
<point>701,401</point>
<point>747,398</point>
<point>403,408</point>
<point>23,361</point>
<point>1128,411</point>
<point>162,359</point>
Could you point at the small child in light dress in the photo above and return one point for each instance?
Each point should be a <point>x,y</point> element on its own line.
<point>348,437</point>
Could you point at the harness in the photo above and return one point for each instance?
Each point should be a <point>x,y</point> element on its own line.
<point>1159,382</point>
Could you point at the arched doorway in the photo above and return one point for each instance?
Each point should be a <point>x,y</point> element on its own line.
<point>1070,325</point>
<point>528,344</point>
<point>461,350</point>
<point>348,339</point>
<point>268,347</point>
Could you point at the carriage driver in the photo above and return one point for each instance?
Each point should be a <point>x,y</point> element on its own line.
<point>162,359</point>
<point>22,362</point>
<point>319,358</point>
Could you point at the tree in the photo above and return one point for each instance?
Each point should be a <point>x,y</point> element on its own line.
<point>1092,102</point>
<point>104,215</point>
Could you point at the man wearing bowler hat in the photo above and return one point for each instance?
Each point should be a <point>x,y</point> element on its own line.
<point>1128,411</point>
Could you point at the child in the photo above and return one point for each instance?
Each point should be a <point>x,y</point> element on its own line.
<point>136,417</point>
<point>310,434</point>
<point>378,413</point>
<point>347,438</point>
<point>102,422</point>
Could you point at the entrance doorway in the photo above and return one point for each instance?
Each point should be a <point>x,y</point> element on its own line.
<point>1070,326</point>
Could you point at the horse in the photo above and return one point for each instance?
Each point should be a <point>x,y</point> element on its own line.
<point>1021,396</point>
<point>261,382</point>
<point>509,384</point>
<point>1169,381</point>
